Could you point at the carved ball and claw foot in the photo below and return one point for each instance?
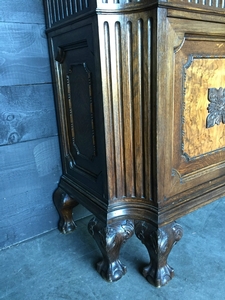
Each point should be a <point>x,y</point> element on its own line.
<point>64,205</point>
<point>110,239</point>
<point>159,242</point>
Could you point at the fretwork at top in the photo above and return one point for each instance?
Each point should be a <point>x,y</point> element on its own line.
<point>59,10</point>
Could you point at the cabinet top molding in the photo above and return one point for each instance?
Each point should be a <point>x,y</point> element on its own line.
<point>117,4</point>
<point>63,10</point>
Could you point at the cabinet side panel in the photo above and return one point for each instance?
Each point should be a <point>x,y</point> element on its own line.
<point>78,94</point>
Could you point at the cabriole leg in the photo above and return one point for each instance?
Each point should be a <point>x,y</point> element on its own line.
<point>65,205</point>
<point>110,239</point>
<point>159,242</point>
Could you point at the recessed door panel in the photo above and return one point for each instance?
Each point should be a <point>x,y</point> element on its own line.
<point>194,135</point>
<point>80,106</point>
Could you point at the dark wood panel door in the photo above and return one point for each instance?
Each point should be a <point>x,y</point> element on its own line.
<point>80,107</point>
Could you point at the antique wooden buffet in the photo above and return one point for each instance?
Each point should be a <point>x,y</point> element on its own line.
<point>140,99</point>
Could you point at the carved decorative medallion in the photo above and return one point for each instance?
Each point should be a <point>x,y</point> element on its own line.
<point>216,107</point>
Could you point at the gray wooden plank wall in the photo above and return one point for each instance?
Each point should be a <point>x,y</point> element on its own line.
<point>30,165</point>
<point>29,152</point>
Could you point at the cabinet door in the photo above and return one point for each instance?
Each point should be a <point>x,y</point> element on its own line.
<point>79,102</point>
<point>193,103</point>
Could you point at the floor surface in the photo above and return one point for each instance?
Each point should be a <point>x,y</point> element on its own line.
<point>54,266</point>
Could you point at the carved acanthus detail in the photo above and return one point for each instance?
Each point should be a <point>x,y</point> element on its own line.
<point>216,107</point>
<point>110,239</point>
<point>159,242</point>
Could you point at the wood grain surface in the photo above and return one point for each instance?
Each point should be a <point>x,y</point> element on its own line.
<point>24,55</point>
<point>29,174</point>
<point>29,152</point>
<point>204,73</point>
<point>24,11</point>
<point>141,54</point>
<point>26,113</point>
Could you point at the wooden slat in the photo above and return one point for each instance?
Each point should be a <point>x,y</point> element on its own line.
<point>29,174</point>
<point>32,217</point>
<point>24,11</point>
<point>24,54</point>
<point>59,10</point>
<point>27,166</point>
<point>30,167</point>
<point>26,113</point>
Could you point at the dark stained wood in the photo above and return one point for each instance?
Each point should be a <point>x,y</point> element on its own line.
<point>26,113</point>
<point>24,55</point>
<point>110,240</point>
<point>154,158</point>
<point>65,204</point>
<point>159,243</point>
<point>82,136</point>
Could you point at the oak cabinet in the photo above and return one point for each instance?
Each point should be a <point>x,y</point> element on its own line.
<point>140,99</point>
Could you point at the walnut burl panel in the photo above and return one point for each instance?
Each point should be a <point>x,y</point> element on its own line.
<point>202,74</point>
<point>198,148</point>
